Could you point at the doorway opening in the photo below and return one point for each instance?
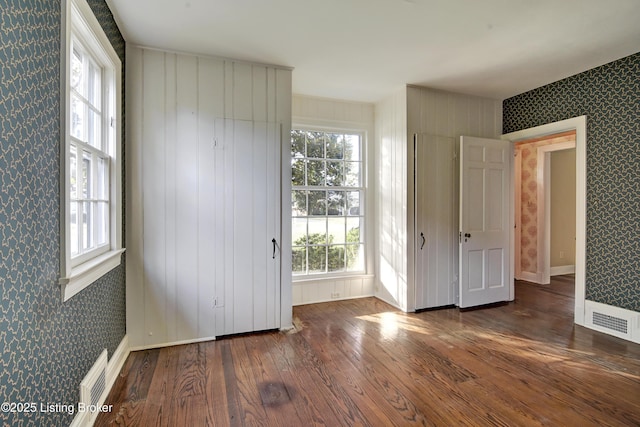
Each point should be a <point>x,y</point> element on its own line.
<point>577,125</point>
<point>544,200</point>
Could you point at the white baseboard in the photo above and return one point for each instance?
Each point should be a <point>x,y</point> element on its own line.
<point>114,365</point>
<point>616,321</point>
<point>562,269</point>
<point>530,277</point>
<point>117,361</point>
<point>171,343</point>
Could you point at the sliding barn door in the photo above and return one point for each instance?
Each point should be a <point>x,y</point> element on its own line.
<point>435,221</point>
<point>248,298</point>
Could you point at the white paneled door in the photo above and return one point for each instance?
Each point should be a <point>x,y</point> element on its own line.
<point>485,195</point>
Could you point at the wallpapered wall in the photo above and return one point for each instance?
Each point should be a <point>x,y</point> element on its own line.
<point>47,346</point>
<point>610,98</point>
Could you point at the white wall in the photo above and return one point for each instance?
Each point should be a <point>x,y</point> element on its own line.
<point>415,110</point>
<point>391,192</point>
<point>179,177</point>
<point>334,114</point>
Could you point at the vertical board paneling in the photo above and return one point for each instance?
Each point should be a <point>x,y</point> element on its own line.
<point>244,229</point>
<point>211,71</point>
<point>171,114</point>
<point>135,301</point>
<point>205,195</point>
<point>259,93</point>
<point>186,198</point>
<point>262,233</point>
<point>208,82</point>
<point>153,182</point>
<point>229,225</point>
<point>274,217</point>
<point>434,113</point>
<point>242,91</point>
<point>222,257</point>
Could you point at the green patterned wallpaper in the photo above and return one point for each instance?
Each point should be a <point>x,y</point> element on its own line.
<point>610,98</point>
<point>47,346</point>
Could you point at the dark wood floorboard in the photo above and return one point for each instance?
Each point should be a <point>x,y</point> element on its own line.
<point>364,363</point>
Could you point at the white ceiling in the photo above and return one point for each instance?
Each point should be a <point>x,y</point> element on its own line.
<point>364,50</point>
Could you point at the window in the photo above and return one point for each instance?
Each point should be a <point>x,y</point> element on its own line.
<point>90,158</point>
<point>327,202</point>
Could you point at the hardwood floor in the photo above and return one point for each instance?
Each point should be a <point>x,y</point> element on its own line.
<point>362,362</point>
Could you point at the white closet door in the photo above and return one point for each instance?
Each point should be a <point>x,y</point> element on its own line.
<point>436,221</point>
<point>251,300</point>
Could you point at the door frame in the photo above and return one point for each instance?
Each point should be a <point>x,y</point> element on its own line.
<point>579,124</point>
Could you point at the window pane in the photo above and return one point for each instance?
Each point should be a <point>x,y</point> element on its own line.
<point>73,229</point>
<point>317,231</point>
<point>336,258</point>
<point>315,172</point>
<point>77,118</point>
<point>352,173</point>
<point>353,231</point>
<point>73,173</point>
<point>335,146</point>
<point>103,179</point>
<point>297,143</point>
<point>353,203</point>
<point>299,231</point>
<point>335,174</point>
<point>94,137</point>
<point>352,147</point>
<point>317,202</point>
<point>337,230</point>
<point>315,145</point>
<point>335,202</point>
<point>102,223</point>
<point>297,172</point>
<point>86,226</point>
<point>355,257</point>
<point>317,259</point>
<point>93,85</point>
<point>299,260</point>
<point>86,175</point>
<point>77,71</point>
<point>299,203</point>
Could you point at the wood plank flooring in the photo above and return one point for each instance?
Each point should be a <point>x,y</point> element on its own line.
<point>364,363</point>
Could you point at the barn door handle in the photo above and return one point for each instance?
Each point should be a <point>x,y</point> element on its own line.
<point>274,248</point>
<point>423,240</point>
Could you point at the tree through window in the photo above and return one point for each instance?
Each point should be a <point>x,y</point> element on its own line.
<point>327,202</point>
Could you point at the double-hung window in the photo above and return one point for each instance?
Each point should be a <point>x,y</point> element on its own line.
<point>90,158</point>
<point>327,202</point>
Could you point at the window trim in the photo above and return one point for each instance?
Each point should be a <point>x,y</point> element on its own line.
<point>78,18</point>
<point>306,125</point>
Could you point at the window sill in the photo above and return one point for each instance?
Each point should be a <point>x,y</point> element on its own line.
<point>88,272</point>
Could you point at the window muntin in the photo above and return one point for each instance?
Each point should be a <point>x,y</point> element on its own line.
<point>89,154</point>
<point>327,202</point>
